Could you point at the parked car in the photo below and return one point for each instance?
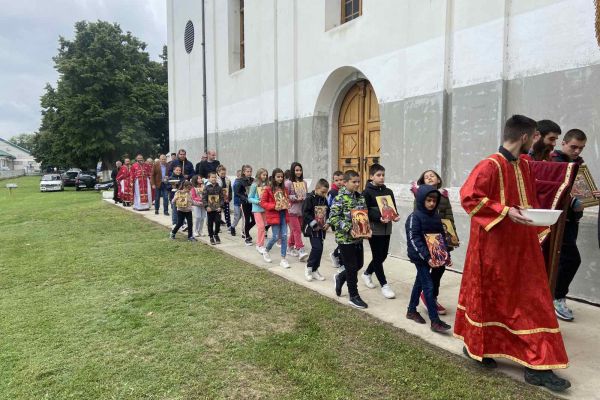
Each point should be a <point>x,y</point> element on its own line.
<point>70,177</point>
<point>51,183</point>
<point>104,186</point>
<point>84,181</point>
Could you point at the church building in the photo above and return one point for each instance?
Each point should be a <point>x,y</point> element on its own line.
<point>410,84</point>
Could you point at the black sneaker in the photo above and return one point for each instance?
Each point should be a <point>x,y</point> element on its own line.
<point>357,302</point>
<point>184,229</point>
<point>192,239</point>
<point>546,378</point>
<point>339,281</point>
<point>212,240</point>
<point>485,362</point>
<point>439,326</point>
<point>415,316</point>
<point>217,239</point>
<point>243,236</point>
<point>166,213</point>
<point>248,242</point>
<point>156,212</point>
<point>232,231</point>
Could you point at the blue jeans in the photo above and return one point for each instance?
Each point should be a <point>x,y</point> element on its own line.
<point>162,191</point>
<point>423,283</point>
<point>279,231</point>
<point>173,214</point>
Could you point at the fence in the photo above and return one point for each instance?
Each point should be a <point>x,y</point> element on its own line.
<point>11,174</point>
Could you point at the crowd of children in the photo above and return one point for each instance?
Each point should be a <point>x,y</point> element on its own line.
<point>281,202</point>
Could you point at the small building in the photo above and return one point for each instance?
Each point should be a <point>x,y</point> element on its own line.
<point>17,158</point>
<point>411,84</point>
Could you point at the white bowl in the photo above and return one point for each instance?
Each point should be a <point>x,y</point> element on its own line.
<point>541,217</point>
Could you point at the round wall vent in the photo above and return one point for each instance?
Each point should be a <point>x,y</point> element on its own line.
<point>189,37</point>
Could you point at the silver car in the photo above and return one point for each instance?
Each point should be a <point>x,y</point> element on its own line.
<point>51,183</point>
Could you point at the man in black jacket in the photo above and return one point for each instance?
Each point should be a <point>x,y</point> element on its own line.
<point>113,176</point>
<point>207,164</point>
<point>187,168</point>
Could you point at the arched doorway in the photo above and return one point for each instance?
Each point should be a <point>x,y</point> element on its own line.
<point>359,130</point>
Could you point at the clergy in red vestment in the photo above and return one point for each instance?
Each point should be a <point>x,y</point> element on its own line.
<point>505,307</point>
<point>124,182</point>
<point>140,183</point>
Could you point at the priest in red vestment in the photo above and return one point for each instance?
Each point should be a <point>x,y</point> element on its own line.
<point>140,183</point>
<point>505,307</point>
<point>124,190</point>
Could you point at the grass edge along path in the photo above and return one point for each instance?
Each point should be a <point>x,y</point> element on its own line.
<point>97,303</point>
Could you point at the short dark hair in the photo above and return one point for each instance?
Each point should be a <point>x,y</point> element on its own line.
<point>576,134</point>
<point>173,154</point>
<point>338,173</point>
<point>322,183</point>
<point>375,168</point>
<point>350,174</point>
<point>211,173</point>
<point>517,126</point>
<point>546,126</point>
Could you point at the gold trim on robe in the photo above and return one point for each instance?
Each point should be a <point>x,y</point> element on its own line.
<point>479,206</point>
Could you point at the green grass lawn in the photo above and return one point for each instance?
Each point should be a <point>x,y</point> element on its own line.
<point>97,303</point>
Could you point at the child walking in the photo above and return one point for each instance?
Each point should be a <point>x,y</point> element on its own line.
<point>425,220</point>
<point>381,226</point>
<point>225,184</point>
<point>175,175</point>
<point>212,197</point>
<point>430,177</point>
<point>237,205</point>
<point>338,182</point>
<point>242,192</point>
<point>183,201</point>
<point>260,181</point>
<point>198,207</point>
<point>351,247</point>
<point>314,225</point>
<point>297,189</point>
<point>274,200</point>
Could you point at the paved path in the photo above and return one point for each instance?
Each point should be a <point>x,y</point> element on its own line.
<point>582,338</point>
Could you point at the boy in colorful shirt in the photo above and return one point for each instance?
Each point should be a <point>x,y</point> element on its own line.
<point>351,247</point>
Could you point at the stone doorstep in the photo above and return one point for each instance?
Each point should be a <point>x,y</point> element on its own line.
<point>581,337</point>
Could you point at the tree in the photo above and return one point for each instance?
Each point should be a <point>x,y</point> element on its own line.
<point>24,140</point>
<point>110,100</point>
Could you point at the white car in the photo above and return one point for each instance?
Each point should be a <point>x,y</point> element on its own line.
<point>51,183</point>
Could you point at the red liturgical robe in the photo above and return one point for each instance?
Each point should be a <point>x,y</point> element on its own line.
<point>505,307</point>
<point>124,189</point>
<point>140,184</point>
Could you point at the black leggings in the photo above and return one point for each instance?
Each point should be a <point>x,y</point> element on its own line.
<point>181,217</point>
<point>249,221</point>
<point>214,222</point>
<point>353,256</point>
<point>380,246</point>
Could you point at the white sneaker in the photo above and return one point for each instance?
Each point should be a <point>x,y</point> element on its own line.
<point>260,249</point>
<point>267,257</point>
<point>387,292</point>
<point>308,274</point>
<point>278,244</point>
<point>334,260</point>
<point>196,234</point>
<point>368,281</point>
<point>302,255</point>
<point>284,263</point>
<point>292,252</point>
<point>317,275</point>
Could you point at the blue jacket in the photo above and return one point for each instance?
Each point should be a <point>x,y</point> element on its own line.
<point>236,200</point>
<point>255,199</point>
<point>420,222</point>
<point>187,168</point>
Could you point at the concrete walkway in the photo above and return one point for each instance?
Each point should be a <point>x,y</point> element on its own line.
<point>582,338</point>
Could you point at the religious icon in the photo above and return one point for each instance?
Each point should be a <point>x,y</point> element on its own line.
<point>213,202</point>
<point>360,223</point>
<point>437,249</point>
<point>386,207</point>
<point>583,187</point>
<point>225,192</point>
<point>300,190</point>
<point>451,236</point>
<point>281,200</point>
<point>260,190</point>
<point>321,215</point>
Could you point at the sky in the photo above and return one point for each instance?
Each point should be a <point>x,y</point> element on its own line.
<point>29,32</point>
